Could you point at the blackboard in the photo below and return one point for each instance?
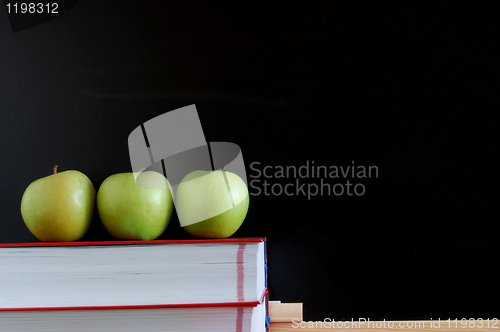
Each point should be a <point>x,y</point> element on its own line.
<point>405,90</point>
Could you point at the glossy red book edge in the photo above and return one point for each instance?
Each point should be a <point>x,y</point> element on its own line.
<point>118,242</point>
<point>153,306</point>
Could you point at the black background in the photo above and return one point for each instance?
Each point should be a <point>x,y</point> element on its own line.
<point>409,87</point>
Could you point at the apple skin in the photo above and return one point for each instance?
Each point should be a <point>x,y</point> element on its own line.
<point>132,212</point>
<point>59,207</point>
<point>206,193</point>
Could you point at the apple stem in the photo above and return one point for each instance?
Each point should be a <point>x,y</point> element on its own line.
<point>54,170</point>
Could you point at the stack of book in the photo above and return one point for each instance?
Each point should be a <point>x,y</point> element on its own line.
<point>184,285</point>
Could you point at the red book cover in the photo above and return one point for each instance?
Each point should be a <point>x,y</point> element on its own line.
<point>117,242</point>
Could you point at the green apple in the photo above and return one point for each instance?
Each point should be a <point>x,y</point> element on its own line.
<point>212,204</point>
<point>59,207</point>
<point>131,210</point>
